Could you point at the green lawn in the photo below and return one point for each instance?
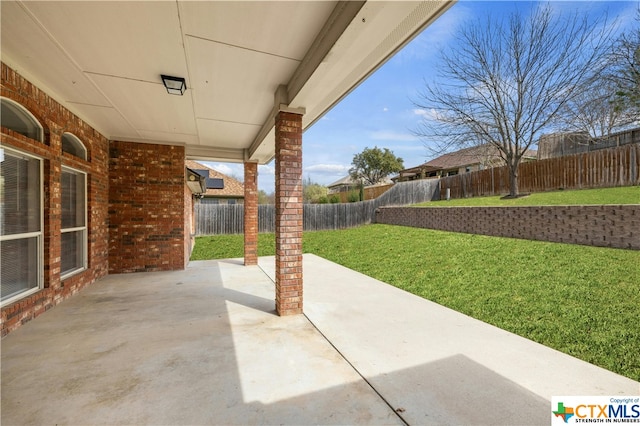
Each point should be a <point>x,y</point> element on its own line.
<point>584,301</point>
<point>621,195</point>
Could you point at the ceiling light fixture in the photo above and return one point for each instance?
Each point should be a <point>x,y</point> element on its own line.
<point>174,85</point>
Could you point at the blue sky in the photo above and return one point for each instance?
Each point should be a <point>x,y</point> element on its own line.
<point>380,111</point>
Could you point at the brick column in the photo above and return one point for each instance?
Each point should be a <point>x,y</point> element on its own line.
<point>250,213</point>
<point>53,215</point>
<point>288,213</point>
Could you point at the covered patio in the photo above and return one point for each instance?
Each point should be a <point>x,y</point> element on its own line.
<point>105,321</point>
<point>204,346</point>
<point>108,99</point>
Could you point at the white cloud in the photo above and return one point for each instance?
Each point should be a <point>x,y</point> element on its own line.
<point>222,168</point>
<point>265,169</point>
<point>329,169</point>
<point>385,109</point>
<point>428,114</point>
<point>390,135</point>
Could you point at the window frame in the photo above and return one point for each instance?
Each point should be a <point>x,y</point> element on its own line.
<point>84,229</point>
<point>29,114</point>
<point>25,235</point>
<point>77,144</point>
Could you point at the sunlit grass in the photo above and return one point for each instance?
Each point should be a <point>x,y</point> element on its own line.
<point>620,195</point>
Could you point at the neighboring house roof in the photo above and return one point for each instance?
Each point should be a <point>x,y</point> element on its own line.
<point>482,154</point>
<point>347,181</point>
<point>231,187</point>
<point>343,181</point>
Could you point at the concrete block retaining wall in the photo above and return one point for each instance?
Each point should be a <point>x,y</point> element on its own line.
<point>616,226</point>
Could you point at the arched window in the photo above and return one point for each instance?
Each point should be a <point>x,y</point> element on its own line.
<point>72,145</point>
<point>17,118</point>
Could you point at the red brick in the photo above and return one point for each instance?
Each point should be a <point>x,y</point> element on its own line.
<point>149,208</point>
<point>55,119</point>
<point>250,213</point>
<point>289,300</point>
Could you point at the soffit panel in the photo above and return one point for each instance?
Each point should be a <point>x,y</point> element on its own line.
<point>284,29</point>
<point>172,137</point>
<point>26,47</point>
<point>108,119</point>
<point>233,84</point>
<point>102,60</point>
<point>378,31</point>
<point>137,40</point>
<point>147,106</point>
<point>226,134</point>
<point>266,151</point>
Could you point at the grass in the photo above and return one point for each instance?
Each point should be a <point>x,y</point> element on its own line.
<point>620,195</point>
<point>584,301</point>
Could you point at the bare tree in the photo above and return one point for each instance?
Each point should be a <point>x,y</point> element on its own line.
<point>597,111</point>
<point>626,68</point>
<point>612,102</point>
<point>506,83</point>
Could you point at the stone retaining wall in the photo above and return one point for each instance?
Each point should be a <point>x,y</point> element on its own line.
<point>615,226</point>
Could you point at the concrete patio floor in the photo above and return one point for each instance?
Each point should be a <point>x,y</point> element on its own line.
<point>204,346</point>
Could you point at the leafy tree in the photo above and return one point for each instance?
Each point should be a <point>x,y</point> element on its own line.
<point>507,83</point>
<point>264,198</point>
<point>312,192</point>
<point>353,197</point>
<point>374,164</point>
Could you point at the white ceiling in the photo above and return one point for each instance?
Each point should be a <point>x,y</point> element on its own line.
<point>103,60</point>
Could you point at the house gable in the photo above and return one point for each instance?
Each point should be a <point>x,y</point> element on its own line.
<point>218,185</point>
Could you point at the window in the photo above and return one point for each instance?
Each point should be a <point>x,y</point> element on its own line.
<point>15,117</point>
<point>20,225</point>
<point>72,145</point>
<point>73,256</point>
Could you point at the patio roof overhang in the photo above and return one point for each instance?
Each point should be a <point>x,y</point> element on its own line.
<point>242,61</point>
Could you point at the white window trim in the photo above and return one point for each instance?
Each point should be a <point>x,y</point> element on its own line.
<point>80,144</point>
<point>38,235</point>
<point>26,111</point>
<point>85,239</point>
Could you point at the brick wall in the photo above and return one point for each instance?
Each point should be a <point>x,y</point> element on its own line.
<point>147,223</point>
<point>615,226</point>
<point>56,120</point>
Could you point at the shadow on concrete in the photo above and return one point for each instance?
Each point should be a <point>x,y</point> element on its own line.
<point>200,346</point>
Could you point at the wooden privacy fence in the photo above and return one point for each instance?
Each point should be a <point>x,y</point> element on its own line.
<point>370,192</point>
<point>605,168</point>
<point>212,219</point>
